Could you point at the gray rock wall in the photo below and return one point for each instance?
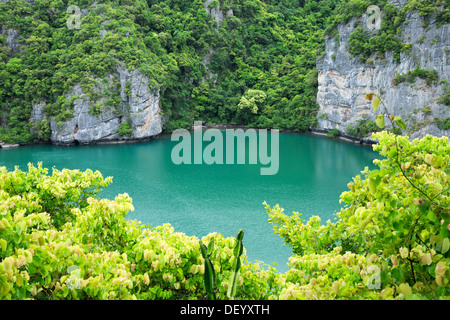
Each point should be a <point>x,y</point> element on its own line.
<point>217,13</point>
<point>140,106</point>
<point>12,38</point>
<point>344,81</point>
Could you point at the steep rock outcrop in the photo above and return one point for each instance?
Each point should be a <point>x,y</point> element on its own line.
<point>12,38</point>
<point>140,108</point>
<point>344,81</point>
<point>216,12</point>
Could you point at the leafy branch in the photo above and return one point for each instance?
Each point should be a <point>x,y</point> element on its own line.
<point>209,276</point>
<point>396,121</point>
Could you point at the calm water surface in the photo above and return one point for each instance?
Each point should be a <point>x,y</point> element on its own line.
<point>199,199</point>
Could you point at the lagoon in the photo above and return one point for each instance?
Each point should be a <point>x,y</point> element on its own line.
<point>198,199</point>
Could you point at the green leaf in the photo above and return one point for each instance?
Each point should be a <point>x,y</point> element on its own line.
<point>372,186</point>
<point>4,288</point>
<point>3,244</point>
<point>209,278</point>
<point>18,230</point>
<point>374,174</point>
<point>380,121</point>
<point>401,124</point>
<point>397,274</point>
<point>180,273</point>
<point>405,289</point>
<point>376,103</point>
<point>398,225</point>
<point>210,247</point>
<point>209,275</point>
<point>203,250</point>
<point>17,238</point>
<point>445,245</point>
<point>238,249</point>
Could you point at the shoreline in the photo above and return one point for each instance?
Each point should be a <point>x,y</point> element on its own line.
<point>98,142</point>
<point>311,131</point>
<point>344,137</point>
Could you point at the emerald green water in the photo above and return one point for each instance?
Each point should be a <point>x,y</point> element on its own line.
<point>199,199</point>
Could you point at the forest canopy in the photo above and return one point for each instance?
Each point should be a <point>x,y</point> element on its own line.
<point>269,46</point>
<point>204,67</point>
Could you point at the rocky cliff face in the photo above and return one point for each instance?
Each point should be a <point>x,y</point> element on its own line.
<point>12,37</point>
<point>217,13</point>
<point>344,81</point>
<point>139,108</point>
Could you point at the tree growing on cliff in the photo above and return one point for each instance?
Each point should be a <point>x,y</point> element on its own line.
<point>249,105</point>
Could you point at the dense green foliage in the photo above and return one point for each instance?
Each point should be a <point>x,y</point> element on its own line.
<point>397,216</point>
<point>268,46</point>
<point>58,240</point>
<point>443,124</point>
<point>430,76</point>
<point>333,133</point>
<point>438,9</point>
<point>365,44</point>
<point>205,71</point>
<point>362,128</point>
<point>368,43</point>
<point>52,58</point>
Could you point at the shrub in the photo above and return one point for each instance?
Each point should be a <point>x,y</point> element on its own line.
<point>58,240</point>
<point>445,98</point>
<point>333,133</point>
<point>443,124</point>
<point>430,76</point>
<point>125,128</point>
<point>362,128</point>
<point>394,229</point>
<point>427,111</point>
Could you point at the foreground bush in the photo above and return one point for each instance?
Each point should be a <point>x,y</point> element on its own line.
<point>58,240</point>
<point>394,229</point>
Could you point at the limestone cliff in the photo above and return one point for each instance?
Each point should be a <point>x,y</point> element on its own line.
<point>344,80</point>
<point>216,13</point>
<point>139,108</point>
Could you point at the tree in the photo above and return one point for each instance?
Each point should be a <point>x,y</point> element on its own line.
<point>250,103</point>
